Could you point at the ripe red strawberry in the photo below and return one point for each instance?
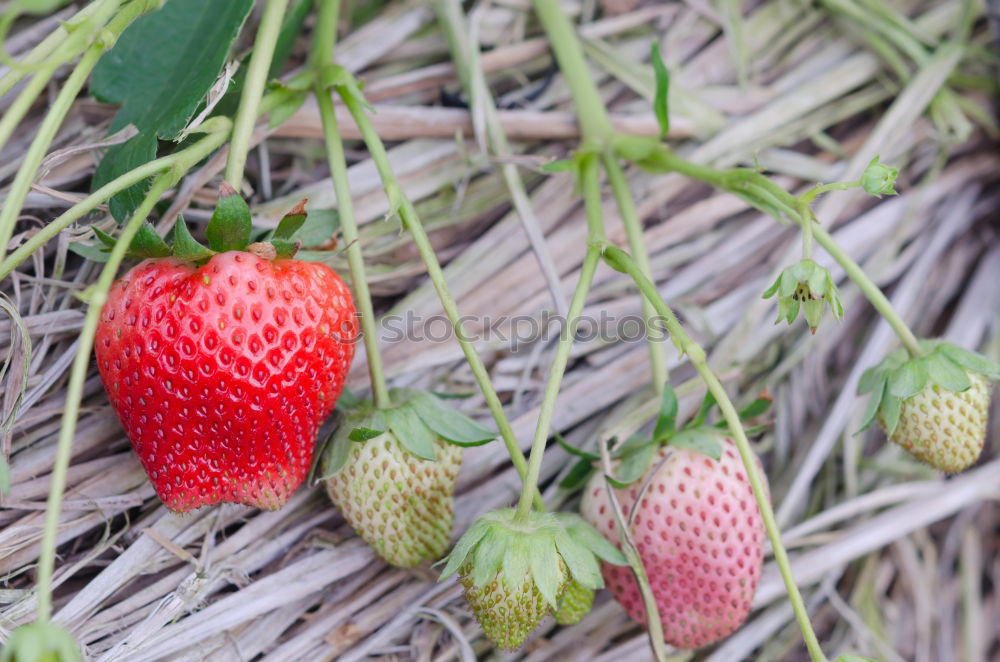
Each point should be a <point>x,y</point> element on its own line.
<point>222,374</point>
<point>700,536</point>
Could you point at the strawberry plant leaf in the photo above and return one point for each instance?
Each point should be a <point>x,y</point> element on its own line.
<point>578,475</point>
<point>946,373</point>
<point>411,432</point>
<point>573,450</point>
<point>230,227</point>
<point>187,247</point>
<point>908,379</point>
<point>159,70</point>
<point>666,422</point>
<point>660,100</point>
<point>755,408</point>
<point>878,392</point>
<point>450,424</point>
<point>700,440</point>
<point>118,160</point>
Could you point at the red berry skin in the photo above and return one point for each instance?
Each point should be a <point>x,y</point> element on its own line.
<point>222,374</point>
<point>700,536</point>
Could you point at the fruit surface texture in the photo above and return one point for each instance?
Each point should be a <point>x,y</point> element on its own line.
<point>700,536</point>
<point>398,503</point>
<point>221,374</point>
<point>945,429</point>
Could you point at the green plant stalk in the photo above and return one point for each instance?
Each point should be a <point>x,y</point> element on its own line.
<point>74,392</point>
<point>465,58</point>
<point>321,56</point>
<point>755,188</point>
<point>81,362</point>
<point>591,186</point>
<point>35,59</point>
<point>595,126</point>
<point>253,90</point>
<point>54,118</point>
<point>633,232</point>
<point>49,231</point>
<point>400,204</point>
<point>618,259</point>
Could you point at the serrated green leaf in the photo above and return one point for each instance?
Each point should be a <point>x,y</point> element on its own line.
<point>878,392</point>
<point>971,360</point>
<point>165,62</point>
<point>666,422</point>
<point>450,424</point>
<point>577,476</point>
<point>908,379</point>
<point>118,160</point>
<point>412,433</point>
<point>661,97</point>
<point>230,226</point>
<point>187,247</point>
<point>946,373</point>
<point>700,440</point>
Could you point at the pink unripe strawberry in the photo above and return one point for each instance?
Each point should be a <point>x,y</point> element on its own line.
<point>700,536</point>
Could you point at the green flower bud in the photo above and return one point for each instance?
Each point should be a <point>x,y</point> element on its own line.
<point>878,179</point>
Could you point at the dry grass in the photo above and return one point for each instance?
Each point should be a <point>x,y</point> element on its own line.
<point>894,559</point>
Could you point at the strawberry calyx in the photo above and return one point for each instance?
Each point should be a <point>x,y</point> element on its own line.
<point>417,419</point>
<point>898,377</point>
<point>34,642</point>
<point>546,549</point>
<point>636,453</point>
<point>229,229</point>
<point>808,287</point>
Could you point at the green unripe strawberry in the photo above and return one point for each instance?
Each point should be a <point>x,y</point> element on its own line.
<point>398,503</point>
<point>574,603</point>
<point>934,405</point>
<point>515,568</point>
<point>391,471</point>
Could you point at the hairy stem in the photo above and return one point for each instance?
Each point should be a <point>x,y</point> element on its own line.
<point>621,261</point>
<point>411,221</point>
<point>253,89</point>
<point>321,56</point>
<point>54,118</point>
<point>591,186</point>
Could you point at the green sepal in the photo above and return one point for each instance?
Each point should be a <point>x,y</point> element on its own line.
<point>807,287</point>
<point>360,416</point>
<point>448,423</point>
<point>285,249</point>
<point>362,433</point>
<point>878,392</point>
<point>40,642</point>
<point>187,247</point>
<point>660,98</point>
<point>908,379</point>
<point>756,408</point>
<point>106,239</point>
<point>146,243</point>
<point>970,360</point>
<point>230,227</point>
<point>706,406</point>
<point>573,450</point>
<point>411,432</point>
<point>635,454</point>
<point>702,440</point>
<point>291,222</point>
<point>666,421</point>
<point>578,475</point>
<point>946,373</point>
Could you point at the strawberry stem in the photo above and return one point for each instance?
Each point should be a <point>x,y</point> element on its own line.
<point>400,204</point>
<point>253,90</point>
<point>621,261</point>
<point>320,56</point>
